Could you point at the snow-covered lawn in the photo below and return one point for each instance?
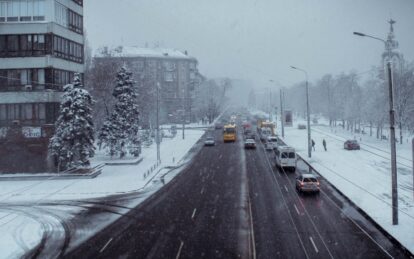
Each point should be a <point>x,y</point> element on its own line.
<point>20,233</point>
<point>363,175</point>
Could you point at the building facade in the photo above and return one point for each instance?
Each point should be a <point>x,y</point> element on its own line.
<point>41,47</point>
<point>175,73</point>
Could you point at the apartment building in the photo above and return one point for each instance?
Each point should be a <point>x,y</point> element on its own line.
<point>41,47</point>
<point>174,71</point>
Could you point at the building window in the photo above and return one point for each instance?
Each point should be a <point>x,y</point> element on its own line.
<point>68,18</point>
<point>22,10</point>
<point>79,2</point>
<point>22,79</point>
<point>67,49</point>
<point>24,45</point>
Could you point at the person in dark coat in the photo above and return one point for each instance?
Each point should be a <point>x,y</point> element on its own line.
<point>313,145</point>
<point>324,144</point>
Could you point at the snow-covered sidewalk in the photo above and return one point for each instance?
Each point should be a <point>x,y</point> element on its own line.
<point>363,175</point>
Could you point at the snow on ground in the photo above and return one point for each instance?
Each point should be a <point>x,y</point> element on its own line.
<point>20,233</point>
<point>363,175</point>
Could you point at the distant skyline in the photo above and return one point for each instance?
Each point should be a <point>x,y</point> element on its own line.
<point>257,40</point>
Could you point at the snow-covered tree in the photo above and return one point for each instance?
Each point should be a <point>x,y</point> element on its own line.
<point>73,141</point>
<point>119,132</point>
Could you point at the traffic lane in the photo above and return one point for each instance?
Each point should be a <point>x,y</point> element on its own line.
<point>313,243</point>
<point>164,225</point>
<point>151,220</point>
<point>333,227</point>
<point>216,222</point>
<point>275,235</point>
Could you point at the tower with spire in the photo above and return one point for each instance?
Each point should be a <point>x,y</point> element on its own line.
<point>391,51</point>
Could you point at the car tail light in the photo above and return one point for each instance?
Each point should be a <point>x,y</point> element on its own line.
<point>317,183</point>
<point>301,184</point>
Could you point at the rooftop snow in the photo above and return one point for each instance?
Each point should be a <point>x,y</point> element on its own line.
<point>149,52</point>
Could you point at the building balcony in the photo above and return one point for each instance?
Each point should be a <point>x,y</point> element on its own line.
<point>45,96</point>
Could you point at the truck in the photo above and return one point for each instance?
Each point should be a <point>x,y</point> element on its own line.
<point>265,129</point>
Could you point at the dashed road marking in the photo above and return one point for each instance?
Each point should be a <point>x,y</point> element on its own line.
<point>286,188</point>
<point>104,247</point>
<point>313,243</point>
<point>179,250</point>
<point>194,212</point>
<point>296,208</point>
<point>202,190</point>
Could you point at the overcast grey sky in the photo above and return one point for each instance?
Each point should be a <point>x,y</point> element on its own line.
<point>257,39</point>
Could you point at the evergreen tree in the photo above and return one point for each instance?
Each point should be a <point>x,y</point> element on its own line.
<point>73,142</point>
<point>120,131</point>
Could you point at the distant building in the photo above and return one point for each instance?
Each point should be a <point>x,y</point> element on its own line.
<point>41,47</point>
<point>175,71</point>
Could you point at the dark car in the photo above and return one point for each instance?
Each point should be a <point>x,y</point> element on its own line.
<point>218,126</point>
<point>249,144</point>
<point>301,126</point>
<point>351,145</point>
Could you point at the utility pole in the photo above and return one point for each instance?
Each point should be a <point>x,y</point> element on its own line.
<point>158,124</point>
<point>413,164</point>
<point>393,148</point>
<point>183,113</point>
<point>389,45</point>
<point>307,110</point>
<point>282,119</point>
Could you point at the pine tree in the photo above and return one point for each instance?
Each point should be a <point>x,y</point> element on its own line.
<point>120,131</point>
<point>73,142</point>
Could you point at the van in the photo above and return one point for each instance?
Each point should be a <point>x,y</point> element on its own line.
<point>272,141</point>
<point>285,157</point>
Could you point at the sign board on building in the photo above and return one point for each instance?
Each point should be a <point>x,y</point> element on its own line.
<point>288,119</point>
<point>32,132</point>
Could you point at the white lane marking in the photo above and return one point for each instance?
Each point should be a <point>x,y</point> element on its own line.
<point>202,190</point>
<point>251,227</point>
<point>179,250</point>
<point>356,224</point>
<point>220,156</point>
<point>314,246</point>
<point>286,188</point>
<point>286,206</point>
<point>107,243</point>
<point>194,212</point>
<point>296,208</point>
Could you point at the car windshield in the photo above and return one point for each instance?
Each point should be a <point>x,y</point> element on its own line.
<point>178,128</point>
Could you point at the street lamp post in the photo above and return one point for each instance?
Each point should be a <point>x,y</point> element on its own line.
<point>158,124</point>
<point>282,119</point>
<point>392,133</point>
<point>307,110</point>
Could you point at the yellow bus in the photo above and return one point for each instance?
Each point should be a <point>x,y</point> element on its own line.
<point>229,133</point>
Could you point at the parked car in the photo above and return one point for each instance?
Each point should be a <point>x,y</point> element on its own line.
<point>209,141</point>
<point>351,144</point>
<point>307,183</point>
<point>301,126</point>
<point>249,144</point>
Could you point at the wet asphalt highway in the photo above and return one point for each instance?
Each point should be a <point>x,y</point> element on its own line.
<point>201,214</point>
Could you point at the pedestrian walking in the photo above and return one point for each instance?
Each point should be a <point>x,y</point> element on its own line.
<point>324,144</point>
<point>313,145</point>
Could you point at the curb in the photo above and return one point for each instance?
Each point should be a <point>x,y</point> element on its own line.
<point>95,171</point>
<point>126,163</point>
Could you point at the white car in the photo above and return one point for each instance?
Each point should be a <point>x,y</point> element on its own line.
<point>307,183</point>
<point>209,141</point>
